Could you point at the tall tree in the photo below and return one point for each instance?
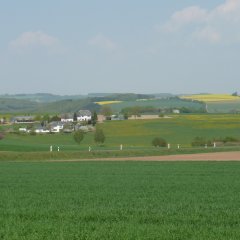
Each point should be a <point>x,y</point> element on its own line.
<point>94,118</point>
<point>75,117</point>
<point>106,110</point>
<point>99,136</point>
<point>78,136</point>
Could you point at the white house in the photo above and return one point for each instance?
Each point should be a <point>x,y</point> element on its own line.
<point>176,111</point>
<point>41,130</point>
<point>22,129</point>
<point>84,115</point>
<point>56,127</point>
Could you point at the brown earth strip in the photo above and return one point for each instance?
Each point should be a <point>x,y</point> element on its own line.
<point>219,156</point>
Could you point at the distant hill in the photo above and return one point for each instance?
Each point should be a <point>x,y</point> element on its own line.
<point>41,97</point>
<point>50,103</point>
<point>62,106</point>
<point>9,105</point>
<point>163,95</point>
<point>56,104</point>
<point>122,97</point>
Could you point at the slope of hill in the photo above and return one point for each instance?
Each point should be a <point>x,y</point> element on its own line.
<point>63,106</point>
<point>217,103</point>
<point>41,97</point>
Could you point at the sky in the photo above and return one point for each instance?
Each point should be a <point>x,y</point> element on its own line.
<point>78,47</point>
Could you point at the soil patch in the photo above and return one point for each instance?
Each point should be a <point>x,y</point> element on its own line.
<point>219,156</point>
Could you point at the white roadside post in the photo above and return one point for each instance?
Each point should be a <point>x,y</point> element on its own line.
<point>58,149</point>
<point>178,146</point>
<point>51,148</point>
<point>121,147</point>
<point>89,149</point>
<point>168,146</point>
<point>214,144</point>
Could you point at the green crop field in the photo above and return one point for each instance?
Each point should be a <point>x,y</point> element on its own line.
<point>120,200</point>
<point>179,129</point>
<point>176,130</point>
<point>158,103</point>
<point>224,107</point>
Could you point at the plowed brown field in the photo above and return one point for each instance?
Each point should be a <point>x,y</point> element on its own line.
<point>219,156</point>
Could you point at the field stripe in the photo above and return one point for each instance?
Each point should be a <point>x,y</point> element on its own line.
<point>217,156</point>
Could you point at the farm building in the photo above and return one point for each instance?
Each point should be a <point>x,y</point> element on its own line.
<point>56,127</point>
<point>84,115</point>
<point>23,119</point>
<point>41,130</point>
<point>81,115</point>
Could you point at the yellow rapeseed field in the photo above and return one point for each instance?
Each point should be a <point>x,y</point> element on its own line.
<point>212,97</point>
<point>107,102</point>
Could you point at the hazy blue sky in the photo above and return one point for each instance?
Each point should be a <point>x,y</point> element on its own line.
<point>79,46</point>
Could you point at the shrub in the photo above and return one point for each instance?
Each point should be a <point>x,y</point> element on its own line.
<point>33,133</point>
<point>159,142</point>
<point>200,142</point>
<point>230,139</point>
<point>99,136</point>
<point>1,135</point>
<point>78,136</point>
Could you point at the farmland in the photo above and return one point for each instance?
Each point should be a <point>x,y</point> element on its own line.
<point>218,103</point>
<point>120,200</point>
<point>224,107</point>
<point>43,199</point>
<point>157,103</point>
<point>108,102</point>
<point>178,129</point>
<point>212,97</point>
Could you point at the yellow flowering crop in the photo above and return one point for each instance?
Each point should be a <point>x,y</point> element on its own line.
<point>107,102</point>
<point>212,97</point>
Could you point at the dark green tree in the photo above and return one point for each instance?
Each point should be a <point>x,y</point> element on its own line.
<point>159,142</point>
<point>46,118</point>
<point>94,118</point>
<point>78,136</point>
<point>125,116</point>
<point>75,117</point>
<point>106,110</point>
<point>55,118</point>
<point>99,136</point>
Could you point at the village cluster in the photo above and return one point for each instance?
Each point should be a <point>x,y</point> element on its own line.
<point>67,123</point>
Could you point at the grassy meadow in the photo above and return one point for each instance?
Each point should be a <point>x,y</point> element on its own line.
<point>133,134</point>
<point>120,200</point>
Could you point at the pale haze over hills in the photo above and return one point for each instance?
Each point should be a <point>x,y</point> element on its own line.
<point>77,47</point>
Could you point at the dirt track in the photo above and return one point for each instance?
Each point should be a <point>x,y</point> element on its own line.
<point>220,156</point>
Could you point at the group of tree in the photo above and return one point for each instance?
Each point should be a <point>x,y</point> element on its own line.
<point>121,97</point>
<point>99,136</point>
<point>139,110</point>
<point>202,141</point>
<point>159,142</point>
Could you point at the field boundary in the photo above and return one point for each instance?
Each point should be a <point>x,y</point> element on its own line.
<point>216,156</point>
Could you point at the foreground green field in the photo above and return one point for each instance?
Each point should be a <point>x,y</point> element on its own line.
<point>120,200</point>
<point>133,134</point>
